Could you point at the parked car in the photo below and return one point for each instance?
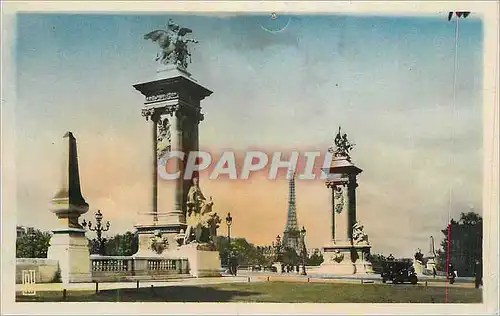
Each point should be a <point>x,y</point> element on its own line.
<point>399,272</point>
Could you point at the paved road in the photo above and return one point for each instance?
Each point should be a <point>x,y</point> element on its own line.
<point>353,279</point>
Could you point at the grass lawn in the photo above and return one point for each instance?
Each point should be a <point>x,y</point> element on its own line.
<point>277,292</point>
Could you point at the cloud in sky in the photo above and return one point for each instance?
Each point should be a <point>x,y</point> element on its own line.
<point>386,80</point>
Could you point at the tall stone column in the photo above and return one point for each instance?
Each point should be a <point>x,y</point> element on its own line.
<point>341,213</point>
<point>175,214</point>
<point>351,189</point>
<point>151,115</point>
<point>154,174</point>
<point>333,211</point>
<point>195,135</point>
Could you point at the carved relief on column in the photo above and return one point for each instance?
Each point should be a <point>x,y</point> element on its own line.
<point>340,216</point>
<point>339,200</point>
<point>163,141</point>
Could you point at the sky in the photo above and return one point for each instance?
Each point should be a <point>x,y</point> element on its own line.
<point>388,81</point>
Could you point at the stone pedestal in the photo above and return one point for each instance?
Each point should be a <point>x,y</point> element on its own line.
<point>418,266</point>
<point>68,245</point>
<point>431,264</point>
<point>70,249</point>
<point>203,262</point>
<point>345,259</point>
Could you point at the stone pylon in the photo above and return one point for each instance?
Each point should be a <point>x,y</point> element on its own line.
<point>348,249</point>
<point>172,107</point>
<point>68,244</point>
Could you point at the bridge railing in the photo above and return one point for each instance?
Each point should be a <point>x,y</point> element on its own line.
<point>122,268</point>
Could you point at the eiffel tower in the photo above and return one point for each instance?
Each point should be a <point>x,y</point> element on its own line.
<point>291,235</point>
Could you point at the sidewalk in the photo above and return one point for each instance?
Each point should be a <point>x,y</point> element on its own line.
<point>125,285</point>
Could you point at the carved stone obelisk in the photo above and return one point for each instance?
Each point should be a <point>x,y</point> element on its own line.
<point>68,244</point>
<point>172,108</point>
<point>347,252</point>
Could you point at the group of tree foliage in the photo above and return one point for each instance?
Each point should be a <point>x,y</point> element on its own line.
<point>465,244</point>
<point>249,254</point>
<point>32,243</point>
<point>125,244</point>
<point>246,252</point>
<point>377,260</point>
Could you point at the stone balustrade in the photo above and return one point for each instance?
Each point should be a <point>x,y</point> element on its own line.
<point>118,268</point>
<point>107,269</point>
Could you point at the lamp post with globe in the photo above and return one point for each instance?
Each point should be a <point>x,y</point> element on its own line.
<point>98,229</point>
<point>279,253</point>
<point>229,222</point>
<point>304,251</point>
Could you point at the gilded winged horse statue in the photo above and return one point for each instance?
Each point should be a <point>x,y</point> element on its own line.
<point>173,44</point>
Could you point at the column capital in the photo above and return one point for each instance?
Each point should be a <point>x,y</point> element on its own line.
<point>152,114</point>
<point>332,184</point>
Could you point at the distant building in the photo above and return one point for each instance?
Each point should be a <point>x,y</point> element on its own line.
<point>291,235</point>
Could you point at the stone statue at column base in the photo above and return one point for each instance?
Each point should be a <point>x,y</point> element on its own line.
<point>358,235</point>
<point>202,223</point>
<point>198,244</point>
<point>348,257</point>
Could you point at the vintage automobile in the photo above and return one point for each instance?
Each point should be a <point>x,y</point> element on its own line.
<point>399,272</point>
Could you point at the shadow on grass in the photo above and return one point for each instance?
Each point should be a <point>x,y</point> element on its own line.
<point>157,294</point>
<point>271,292</point>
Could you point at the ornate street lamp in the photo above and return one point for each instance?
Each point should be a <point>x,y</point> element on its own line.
<point>304,252</point>
<point>99,229</point>
<point>278,253</point>
<point>229,221</point>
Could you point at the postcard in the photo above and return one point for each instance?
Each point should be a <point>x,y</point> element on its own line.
<point>249,158</point>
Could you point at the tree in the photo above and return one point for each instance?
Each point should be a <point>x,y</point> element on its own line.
<point>122,245</point>
<point>222,245</point>
<point>93,246</point>
<point>466,236</point>
<point>33,243</point>
<point>377,261</point>
<point>125,244</point>
<point>265,255</point>
<point>248,253</point>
